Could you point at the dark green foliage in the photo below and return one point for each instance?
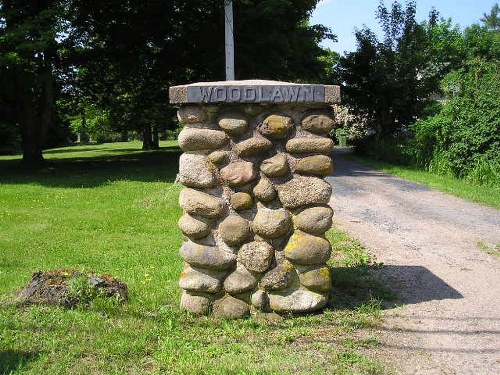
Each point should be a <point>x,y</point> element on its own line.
<point>389,150</point>
<point>273,40</point>
<point>463,138</point>
<point>10,138</point>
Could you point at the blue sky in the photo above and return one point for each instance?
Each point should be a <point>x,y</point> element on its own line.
<point>342,16</point>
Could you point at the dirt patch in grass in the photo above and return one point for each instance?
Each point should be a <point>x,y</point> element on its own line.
<point>68,288</point>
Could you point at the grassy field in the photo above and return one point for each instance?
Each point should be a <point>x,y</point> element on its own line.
<point>113,208</point>
<point>488,195</point>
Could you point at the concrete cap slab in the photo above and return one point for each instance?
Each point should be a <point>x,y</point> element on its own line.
<point>254,91</point>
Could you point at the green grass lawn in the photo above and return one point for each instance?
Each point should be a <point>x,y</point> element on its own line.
<point>113,208</point>
<point>488,195</point>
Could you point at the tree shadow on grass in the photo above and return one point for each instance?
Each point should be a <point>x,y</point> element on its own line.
<point>93,171</point>
<point>73,149</point>
<point>12,360</point>
<point>110,149</point>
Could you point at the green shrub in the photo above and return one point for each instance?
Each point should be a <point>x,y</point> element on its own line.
<point>440,164</point>
<point>463,138</point>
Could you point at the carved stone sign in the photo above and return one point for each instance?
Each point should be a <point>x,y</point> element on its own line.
<point>254,92</point>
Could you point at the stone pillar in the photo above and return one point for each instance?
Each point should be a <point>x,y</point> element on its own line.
<point>255,200</point>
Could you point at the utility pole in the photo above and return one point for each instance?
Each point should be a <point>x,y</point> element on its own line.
<point>228,15</point>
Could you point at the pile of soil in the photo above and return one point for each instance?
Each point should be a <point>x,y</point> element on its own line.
<point>68,288</point>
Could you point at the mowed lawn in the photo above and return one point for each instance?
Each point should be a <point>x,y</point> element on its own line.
<point>113,208</point>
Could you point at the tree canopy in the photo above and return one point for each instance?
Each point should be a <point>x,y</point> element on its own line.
<point>116,59</point>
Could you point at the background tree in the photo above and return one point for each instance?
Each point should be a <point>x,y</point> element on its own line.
<point>129,53</point>
<point>492,20</point>
<point>389,82</point>
<point>28,57</point>
<point>109,63</point>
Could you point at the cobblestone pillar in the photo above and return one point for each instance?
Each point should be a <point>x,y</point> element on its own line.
<point>255,201</point>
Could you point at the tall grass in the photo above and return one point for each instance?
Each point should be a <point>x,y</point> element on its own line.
<point>485,172</point>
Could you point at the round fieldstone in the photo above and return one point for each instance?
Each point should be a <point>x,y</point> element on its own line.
<point>276,127</point>
<point>279,278</point>
<point>256,256</point>
<point>300,300</point>
<point>196,171</point>
<point>264,190</point>
<point>203,256</point>
<point>195,202</point>
<point>200,280</point>
<point>191,139</point>
<point>319,123</point>
<point>234,230</point>
<point>318,279</point>
<point>314,220</point>
<point>270,223</point>
<point>303,191</point>
<point>241,280</point>
<point>219,157</point>
<point>191,115</point>
<point>276,166</point>
<point>241,201</point>
<point>259,300</point>
<point>233,123</point>
<point>253,146</point>
<point>319,165</point>
<point>198,305</point>
<point>238,173</point>
<point>229,307</point>
<point>194,227</point>
<point>310,146</point>
<point>305,249</point>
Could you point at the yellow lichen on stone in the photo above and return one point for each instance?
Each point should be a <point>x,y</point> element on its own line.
<point>276,126</point>
<point>318,279</point>
<point>292,243</point>
<point>288,266</point>
<point>305,249</point>
<point>325,272</point>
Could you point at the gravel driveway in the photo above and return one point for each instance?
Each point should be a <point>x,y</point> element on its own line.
<point>450,288</point>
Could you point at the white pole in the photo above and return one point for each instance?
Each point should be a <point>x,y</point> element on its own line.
<point>228,15</point>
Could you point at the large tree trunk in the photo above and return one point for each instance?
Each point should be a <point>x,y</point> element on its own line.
<point>47,99</point>
<point>385,120</point>
<point>34,95</point>
<point>147,140</point>
<point>156,138</point>
<point>30,128</point>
